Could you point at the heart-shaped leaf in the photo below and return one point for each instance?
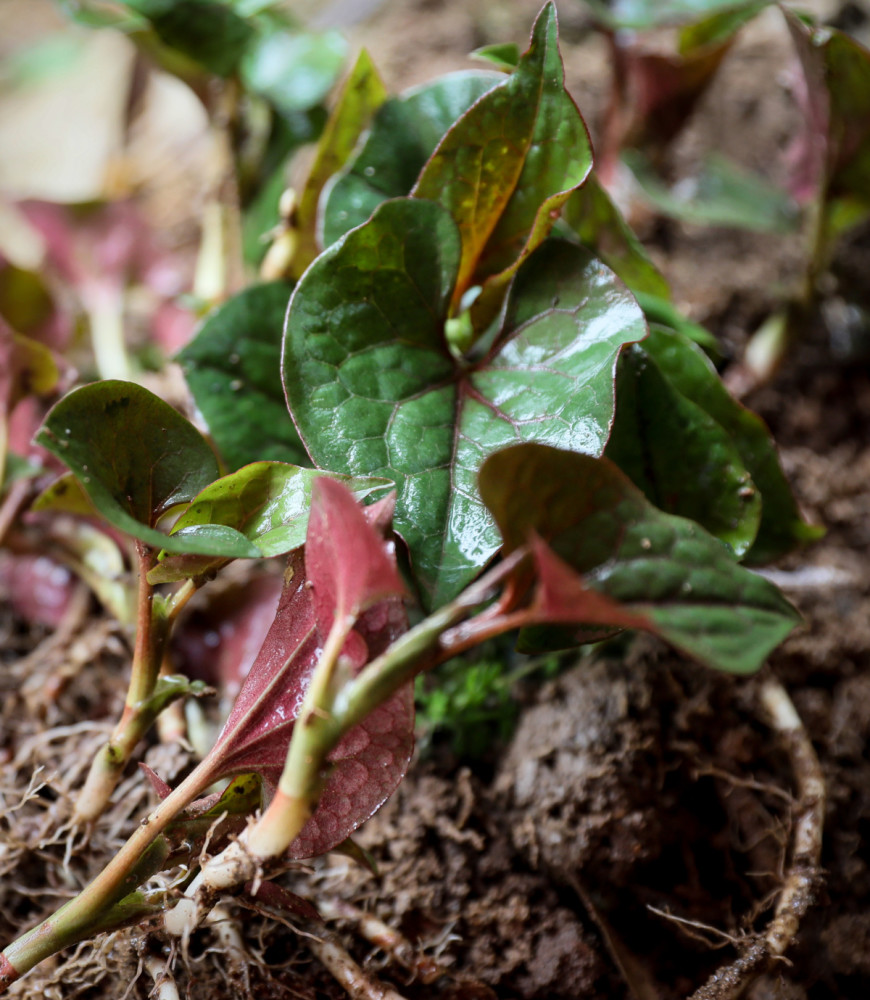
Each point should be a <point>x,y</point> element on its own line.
<point>507,166</point>
<point>233,369</point>
<point>681,458</point>
<point>404,133</point>
<point>374,389</point>
<point>369,761</point>
<point>664,568</point>
<point>136,458</point>
<point>267,502</point>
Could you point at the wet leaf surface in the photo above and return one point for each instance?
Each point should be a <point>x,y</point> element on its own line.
<point>233,369</point>
<point>679,456</point>
<point>371,759</point>
<point>267,502</point>
<point>374,389</point>
<point>664,568</point>
<point>403,135</point>
<point>136,458</point>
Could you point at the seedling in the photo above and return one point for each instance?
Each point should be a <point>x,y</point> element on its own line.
<point>532,460</point>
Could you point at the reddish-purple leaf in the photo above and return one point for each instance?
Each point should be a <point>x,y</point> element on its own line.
<point>561,597</point>
<point>161,789</point>
<point>371,759</point>
<point>350,564</point>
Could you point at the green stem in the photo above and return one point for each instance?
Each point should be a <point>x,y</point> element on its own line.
<point>320,728</point>
<point>80,917</point>
<point>154,620</point>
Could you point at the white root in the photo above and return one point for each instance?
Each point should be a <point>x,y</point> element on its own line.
<point>358,984</point>
<point>382,936</point>
<point>233,866</point>
<point>165,987</point>
<point>801,880</point>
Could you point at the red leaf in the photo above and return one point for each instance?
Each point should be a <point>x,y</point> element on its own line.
<point>561,597</point>
<point>350,564</point>
<point>161,789</point>
<point>372,758</point>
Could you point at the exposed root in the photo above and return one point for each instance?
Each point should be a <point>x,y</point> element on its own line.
<point>358,984</point>
<point>802,877</point>
<point>231,947</point>
<point>160,971</point>
<point>382,936</point>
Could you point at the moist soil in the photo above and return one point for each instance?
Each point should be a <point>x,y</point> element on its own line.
<point>632,837</point>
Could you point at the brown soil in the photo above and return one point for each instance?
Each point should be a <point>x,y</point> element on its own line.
<point>633,837</point>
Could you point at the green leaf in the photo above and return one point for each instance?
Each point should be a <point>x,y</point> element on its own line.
<point>374,389</point>
<point>684,462</point>
<point>508,165</point>
<point>665,568</point>
<point>267,502</point>
<point>66,495</point>
<point>505,56</point>
<point>645,14</point>
<point>403,135</point>
<point>136,458</point>
<point>694,377</point>
<point>664,313</point>
<point>362,94</point>
<point>293,70</point>
<point>233,368</point>
<point>209,32</point>
<point>722,194</point>
<point>599,225</point>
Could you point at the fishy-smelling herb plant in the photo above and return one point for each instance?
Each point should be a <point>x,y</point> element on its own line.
<point>462,346</point>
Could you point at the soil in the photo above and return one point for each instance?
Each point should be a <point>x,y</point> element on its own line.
<point>632,838</point>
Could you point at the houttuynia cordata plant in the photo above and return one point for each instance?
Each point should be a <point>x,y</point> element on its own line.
<point>487,434</point>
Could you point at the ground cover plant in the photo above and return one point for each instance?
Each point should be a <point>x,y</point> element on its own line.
<point>498,424</point>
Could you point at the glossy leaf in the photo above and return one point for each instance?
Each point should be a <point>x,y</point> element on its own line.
<point>598,223</point>
<point>361,95</point>
<point>374,389</point>
<point>404,133</point>
<point>350,565</point>
<point>233,369</point>
<point>293,70</point>
<point>691,374</point>
<point>680,457</point>
<point>833,154</point>
<point>209,32</point>
<point>509,164</point>
<point>371,759</point>
<point>664,568</point>
<point>136,458</point>
<point>721,194</point>
<point>267,502</point>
